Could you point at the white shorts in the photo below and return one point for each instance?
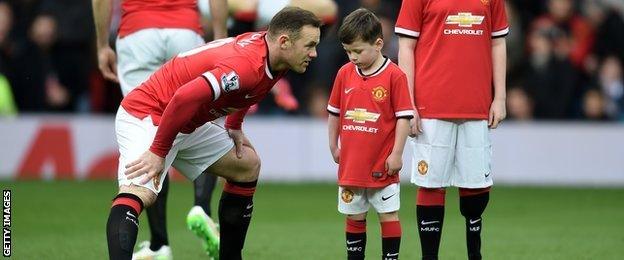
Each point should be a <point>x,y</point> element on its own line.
<point>353,200</point>
<point>452,153</point>
<point>191,154</point>
<point>141,53</point>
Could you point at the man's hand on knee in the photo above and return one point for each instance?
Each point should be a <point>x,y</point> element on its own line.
<point>149,164</point>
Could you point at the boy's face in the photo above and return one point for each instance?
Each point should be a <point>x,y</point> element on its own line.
<point>363,54</point>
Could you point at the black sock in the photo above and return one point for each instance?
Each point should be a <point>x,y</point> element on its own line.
<point>356,245</point>
<point>204,185</point>
<point>472,208</point>
<point>390,240</point>
<point>123,225</point>
<point>430,220</point>
<point>390,248</point>
<point>235,208</point>
<point>157,218</point>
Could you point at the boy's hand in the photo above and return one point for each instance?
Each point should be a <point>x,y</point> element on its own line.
<point>335,154</point>
<point>498,112</point>
<point>415,125</point>
<point>394,163</point>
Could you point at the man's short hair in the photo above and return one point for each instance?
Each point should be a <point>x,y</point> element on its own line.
<point>290,20</point>
<point>361,24</point>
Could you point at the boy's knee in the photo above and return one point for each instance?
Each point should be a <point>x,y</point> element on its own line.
<point>389,216</point>
<point>147,196</point>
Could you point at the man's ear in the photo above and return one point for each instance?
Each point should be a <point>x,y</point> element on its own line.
<point>284,41</point>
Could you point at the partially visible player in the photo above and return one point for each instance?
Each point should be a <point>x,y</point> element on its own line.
<point>169,120</point>
<point>369,111</point>
<point>453,52</point>
<point>150,35</point>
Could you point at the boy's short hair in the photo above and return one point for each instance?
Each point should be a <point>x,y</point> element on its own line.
<point>361,24</point>
<point>290,20</point>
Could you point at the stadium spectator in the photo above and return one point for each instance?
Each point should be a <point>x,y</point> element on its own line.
<point>519,104</point>
<point>173,114</point>
<point>550,79</point>
<point>146,40</point>
<point>372,90</point>
<point>454,55</point>
<point>611,84</point>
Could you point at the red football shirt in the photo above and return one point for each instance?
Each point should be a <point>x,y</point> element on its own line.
<point>141,14</point>
<point>232,72</point>
<point>453,55</point>
<point>368,107</point>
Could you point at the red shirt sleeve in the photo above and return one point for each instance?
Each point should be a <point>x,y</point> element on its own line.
<point>333,106</point>
<point>235,120</point>
<point>410,18</point>
<point>400,97</point>
<point>182,107</point>
<point>500,27</point>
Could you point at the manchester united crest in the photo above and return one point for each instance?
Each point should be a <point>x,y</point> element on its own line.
<point>346,195</point>
<point>379,93</point>
<point>485,2</point>
<point>423,167</point>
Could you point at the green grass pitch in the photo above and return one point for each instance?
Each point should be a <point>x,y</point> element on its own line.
<point>66,220</point>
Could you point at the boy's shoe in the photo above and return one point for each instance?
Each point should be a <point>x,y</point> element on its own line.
<point>145,253</point>
<point>202,225</point>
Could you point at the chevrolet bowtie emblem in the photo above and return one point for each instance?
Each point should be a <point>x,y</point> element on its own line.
<point>464,19</point>
<point>359,115</point>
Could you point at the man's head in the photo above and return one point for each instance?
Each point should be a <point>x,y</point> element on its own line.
<point>296,32</point>
<point>361,37</point>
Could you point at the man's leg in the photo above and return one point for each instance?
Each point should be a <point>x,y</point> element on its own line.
<point>123,220</point>
<point>199,219</point>
<point>236,204</point>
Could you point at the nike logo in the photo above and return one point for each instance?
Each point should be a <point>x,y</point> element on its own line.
<point>391,255</point>
<point>474,221</point>
<point>353,242</point>
<point>249,206</point>
<point>130,214</point>
<point>487,175</point>
<point>249,96</point>
<point>348,90</point>
<point>386,198</point>
<point>429,222</point>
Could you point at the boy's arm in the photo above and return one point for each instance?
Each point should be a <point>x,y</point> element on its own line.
<point>407,46</point>
<point>499,66</point>
<point>107,60</point>
<point>333,122</point>
<point>219,12</point>
<point>394,161</point>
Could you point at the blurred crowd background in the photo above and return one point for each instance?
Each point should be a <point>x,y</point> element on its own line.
<point>564,59</point>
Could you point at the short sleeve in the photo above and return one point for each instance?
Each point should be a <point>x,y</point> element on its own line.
<point>500,26</point>
<point>401,103</point>
<point>333,106</point>
<point>410,19</point>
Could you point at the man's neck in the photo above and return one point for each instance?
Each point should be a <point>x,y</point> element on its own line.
<point>275,62</point>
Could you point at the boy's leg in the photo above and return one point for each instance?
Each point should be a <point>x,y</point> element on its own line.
<point>473,160</point>
<point>157,218</point>
<point>390,235</point>
<point>387,202</point>
<point>204,186</point>
<point>354,204</point>
<point>472,204</point>
<point>433,165</point>
<point>430,217</point>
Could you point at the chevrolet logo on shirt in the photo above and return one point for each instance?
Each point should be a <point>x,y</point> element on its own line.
<point>359,115</point>
<point>464,19</point>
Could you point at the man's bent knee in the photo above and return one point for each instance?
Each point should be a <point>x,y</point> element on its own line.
<point>146,195</point>
<point>230,167</point>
